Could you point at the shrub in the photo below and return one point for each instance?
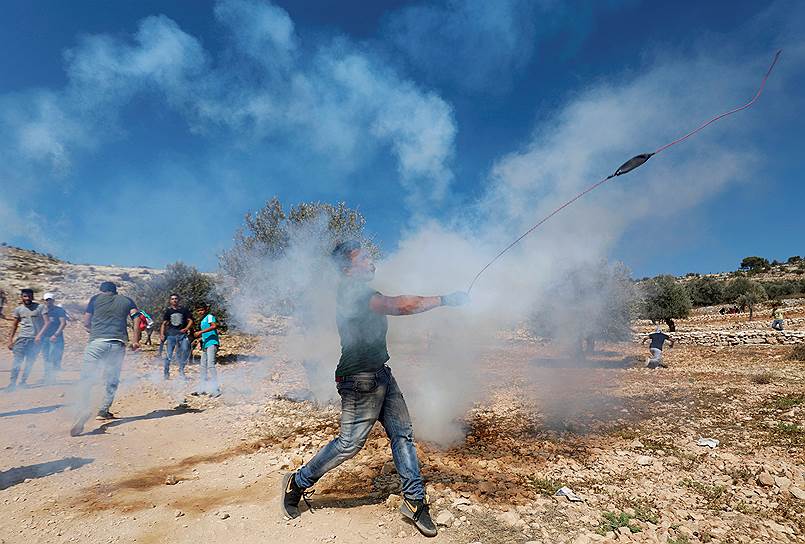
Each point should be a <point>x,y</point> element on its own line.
<point>705,291</point>
<point>186,281</point>
<point>269,231</point>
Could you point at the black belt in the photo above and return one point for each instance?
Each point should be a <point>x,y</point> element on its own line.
<point>339,379</point>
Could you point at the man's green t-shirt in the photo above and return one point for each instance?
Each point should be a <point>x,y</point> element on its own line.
<point>362,331</point>
<point>110,314</point>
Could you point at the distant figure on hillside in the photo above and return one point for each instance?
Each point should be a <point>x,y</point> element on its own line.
<point>106,320</point>
<point>27,318</point>
<point>777,316</point>
<point>209,342</point>
<point>176,322</point>
<point>2,303</point>
<point>657,338</point>
<point>369,393</point>
<point>52,344</point>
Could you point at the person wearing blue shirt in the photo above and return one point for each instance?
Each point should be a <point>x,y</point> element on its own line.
<point>207,336</point>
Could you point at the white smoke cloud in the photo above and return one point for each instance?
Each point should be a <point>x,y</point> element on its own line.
<point>263,92</point>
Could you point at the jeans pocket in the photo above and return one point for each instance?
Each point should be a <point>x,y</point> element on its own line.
<point>357,385</point>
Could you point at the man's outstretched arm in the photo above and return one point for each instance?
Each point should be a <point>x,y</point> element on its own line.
<point>413,304</point>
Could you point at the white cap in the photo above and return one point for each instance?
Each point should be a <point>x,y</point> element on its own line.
<point>48,295</point>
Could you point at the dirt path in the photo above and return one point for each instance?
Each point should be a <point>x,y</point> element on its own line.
<point>621,436</point>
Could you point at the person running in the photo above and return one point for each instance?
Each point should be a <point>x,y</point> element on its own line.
<point>176,322</point>
<point>28,322</point>
<point>106,319</point>
<point>209,342</point>
<point>658,338</point>
<point>52,344</point>
<point>778,318</point>
<point>368,391</point>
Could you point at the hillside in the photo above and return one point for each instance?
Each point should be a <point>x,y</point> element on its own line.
<point>73,284</point>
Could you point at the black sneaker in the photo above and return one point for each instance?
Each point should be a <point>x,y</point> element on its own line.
<point>291,495</point>
<point>104,414</point>
<point>418,511</point>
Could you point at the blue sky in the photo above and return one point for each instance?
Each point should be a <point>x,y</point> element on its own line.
<point>140,133</point>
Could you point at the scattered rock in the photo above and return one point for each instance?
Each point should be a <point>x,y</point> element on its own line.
<point>511,518</point>
<point>445,518</point>
<point>645,460</point>
<point>222,515</point>
<point>171,480</point>
<point>765,479</point>
<point>797,492</point>
<point>388,468</point>
<point>393,502</point>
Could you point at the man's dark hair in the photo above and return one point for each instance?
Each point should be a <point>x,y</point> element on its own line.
<point>203,305</point>
<point>174,295</point>
<point>108,287</point>
<point>342,254</point>
<point>29,292</point>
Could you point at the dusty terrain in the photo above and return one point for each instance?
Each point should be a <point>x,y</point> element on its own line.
<point>622,437</point>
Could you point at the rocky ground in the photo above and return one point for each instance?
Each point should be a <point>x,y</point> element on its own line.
<point>622,437</point>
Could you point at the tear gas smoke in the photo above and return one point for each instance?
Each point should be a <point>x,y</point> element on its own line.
<point>439,356</point>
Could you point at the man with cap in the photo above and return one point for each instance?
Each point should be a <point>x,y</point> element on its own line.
<point>657,338</point>
<point>52,343</point>
<point>369,393</point>
<point>106,319</point>
<point>27,318</point>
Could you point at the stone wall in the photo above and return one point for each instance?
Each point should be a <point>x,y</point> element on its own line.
<point>735,338</point>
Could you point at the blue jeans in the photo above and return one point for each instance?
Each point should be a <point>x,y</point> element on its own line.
<point>25,350</point>
<point>52,353</point>
<point>179,343</point>
<point>208,382</point>
<point>368,397</point>
<point>101,356</point>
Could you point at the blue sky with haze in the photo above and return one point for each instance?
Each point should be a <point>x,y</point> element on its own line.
<point>140,133</point>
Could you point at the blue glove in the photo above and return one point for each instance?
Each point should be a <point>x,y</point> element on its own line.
<point>459,298</point>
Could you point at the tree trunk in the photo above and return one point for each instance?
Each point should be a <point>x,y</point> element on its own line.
<point>751,311</point>
<point>590,341</point>
<point>671,325</point>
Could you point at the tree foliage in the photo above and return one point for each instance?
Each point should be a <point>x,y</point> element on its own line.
<point>664,300</point>
<point>745,293</point>
<point>755,264</point>
<point>268,232</point>
<point>589,303</point>
<point>192,286</point>
<point>705,291</point>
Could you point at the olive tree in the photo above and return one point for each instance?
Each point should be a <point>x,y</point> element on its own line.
<point>745,293</point>
<point>589,303</point>
<point>664,299</point>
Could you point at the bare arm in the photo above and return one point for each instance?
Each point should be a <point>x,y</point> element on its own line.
<point>403,304</point>
<point>162,329</point>
<point>671,341</point>
<point>135,343</point>
<point>87,321</point>
<point>13,332</point>
<point>45,322</point>
<point>189,325</point>
<point>62,324</point>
